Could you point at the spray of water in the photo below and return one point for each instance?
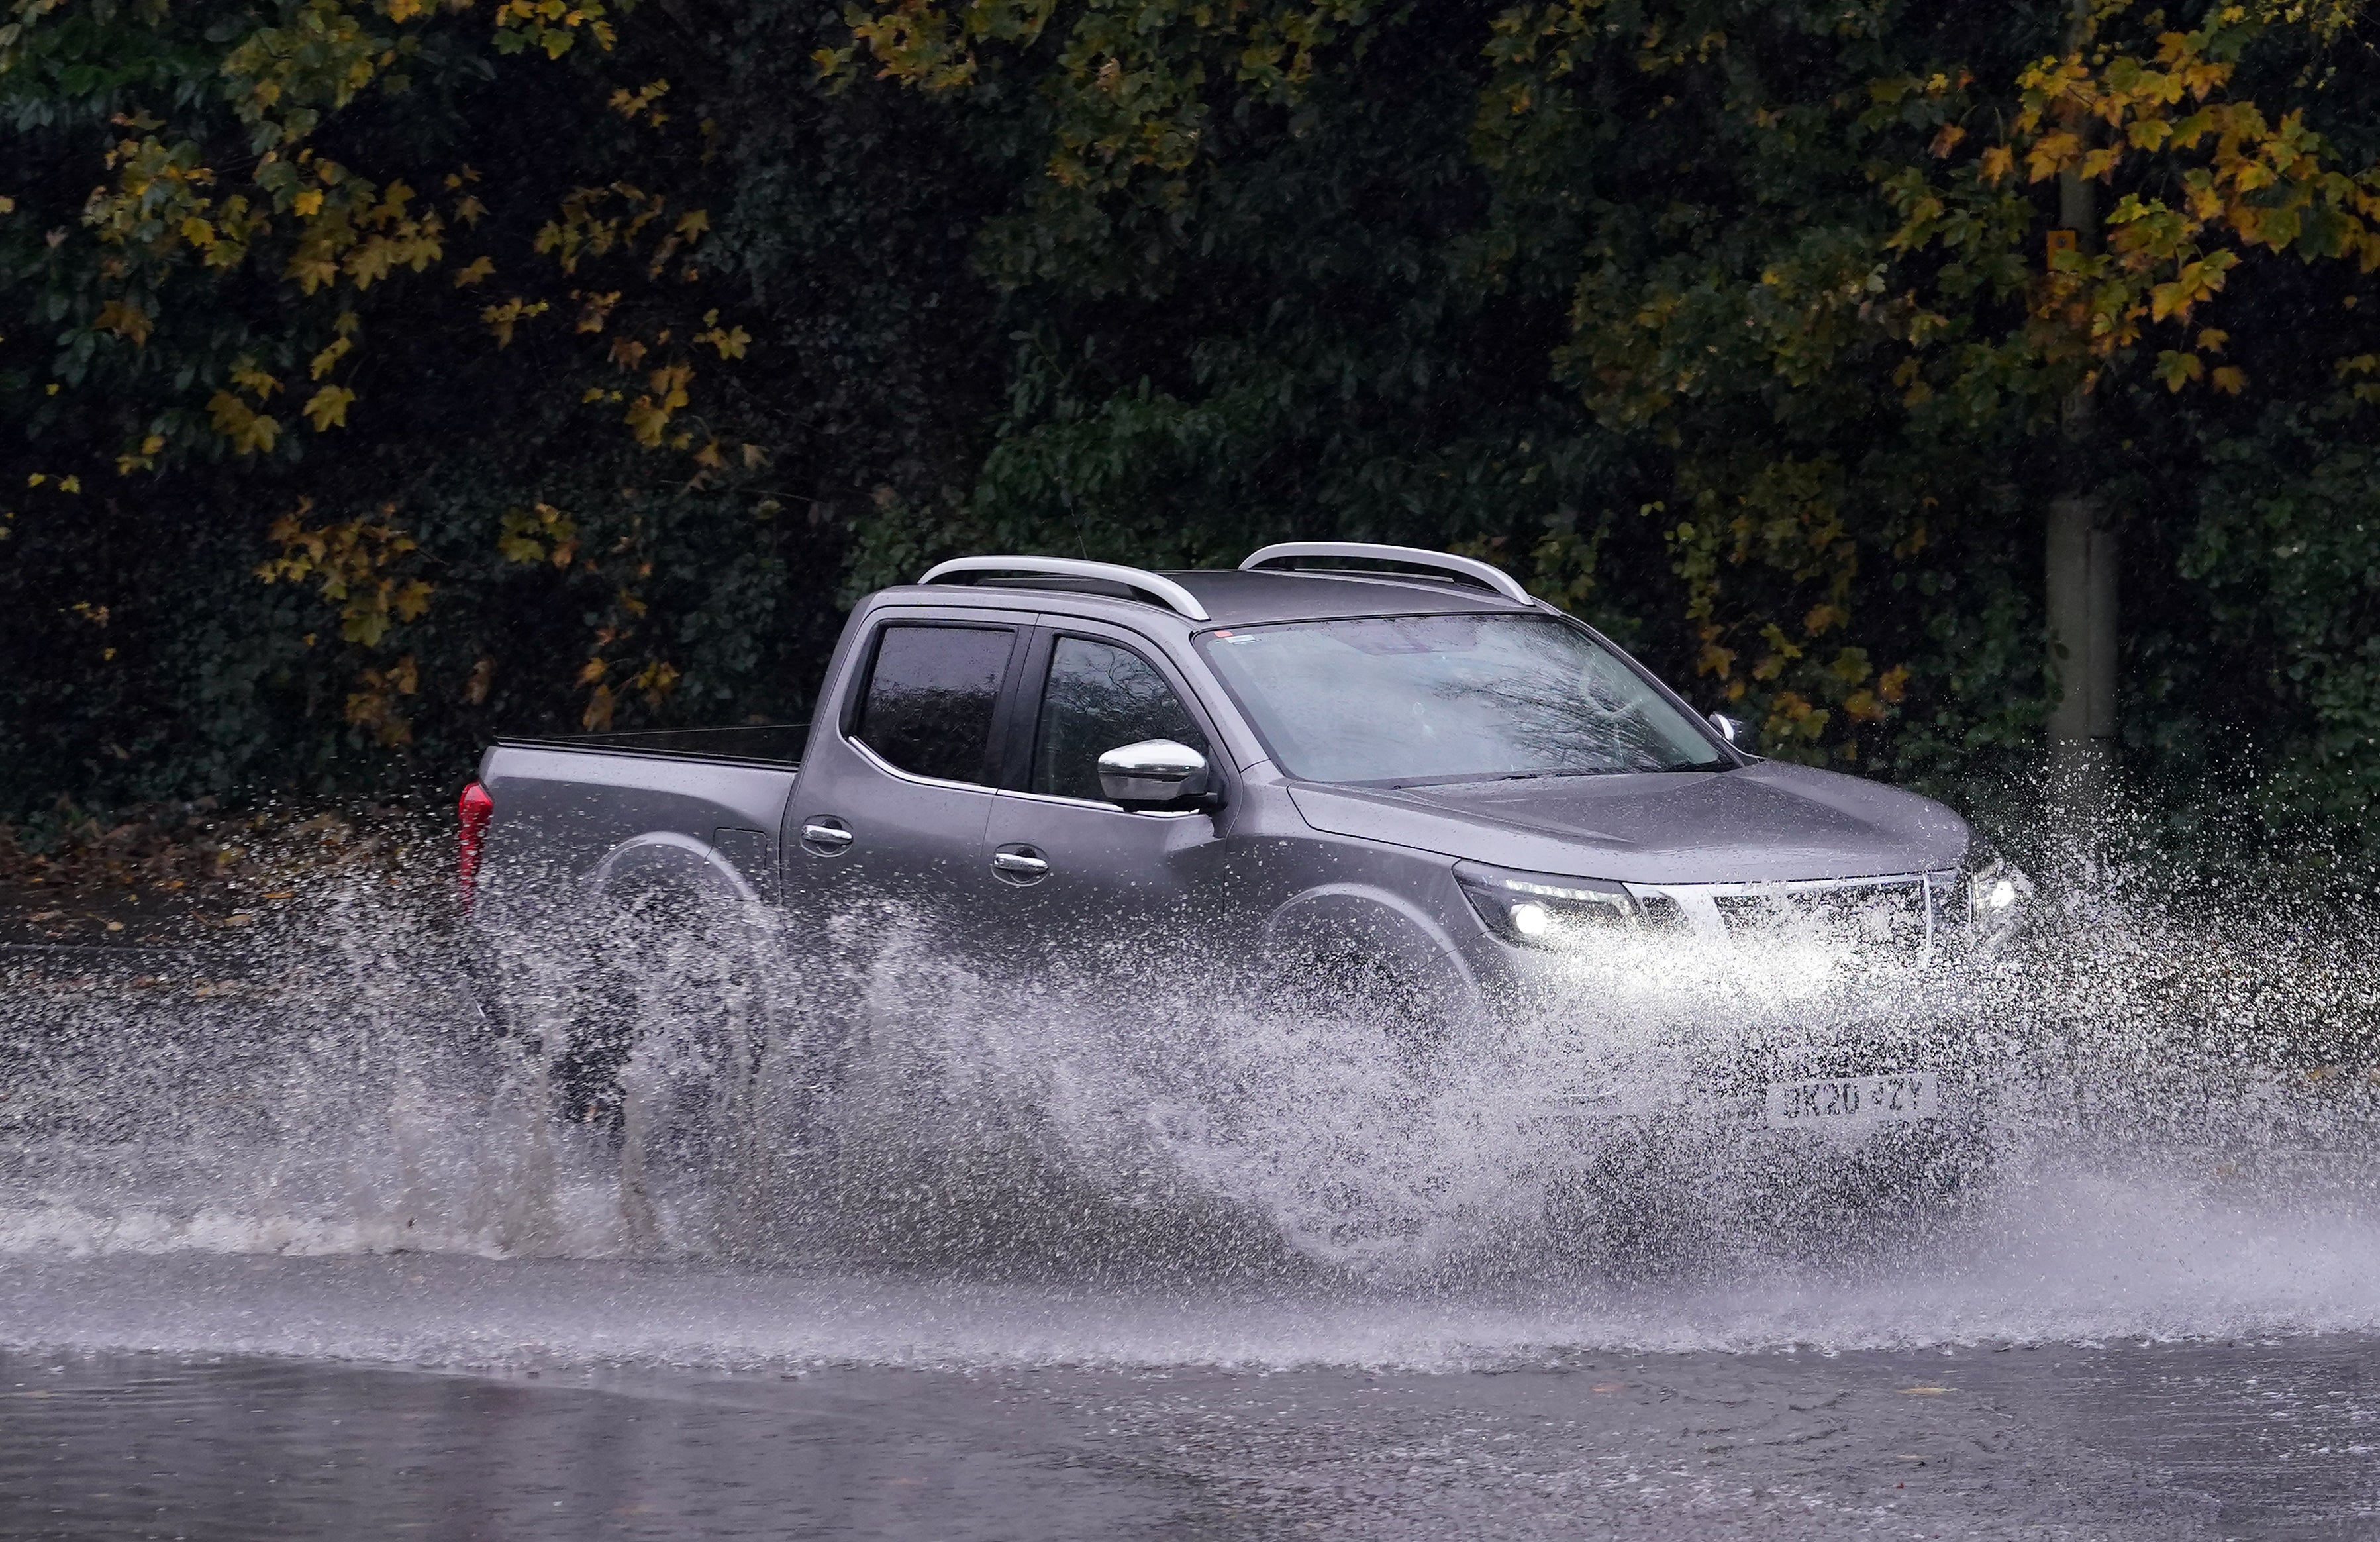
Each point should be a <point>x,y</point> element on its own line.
<point>2153,1124</point>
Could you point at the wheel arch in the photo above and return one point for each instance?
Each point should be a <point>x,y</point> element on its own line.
<point>1373,921</point>
<point>673,858</point>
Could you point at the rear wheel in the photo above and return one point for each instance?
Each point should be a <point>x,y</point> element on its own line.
<point>667,1053</point>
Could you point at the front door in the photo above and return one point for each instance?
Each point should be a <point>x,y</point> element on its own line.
<point>1080,882</point>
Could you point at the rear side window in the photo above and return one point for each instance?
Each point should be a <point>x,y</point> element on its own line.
<point>928,706</point>
<point>1101,697</point>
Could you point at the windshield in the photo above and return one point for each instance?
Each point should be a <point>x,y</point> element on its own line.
<point>1447,699</point>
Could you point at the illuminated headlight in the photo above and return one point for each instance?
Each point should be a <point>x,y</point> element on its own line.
<point>1997,890</point>
<point>1543,909</point>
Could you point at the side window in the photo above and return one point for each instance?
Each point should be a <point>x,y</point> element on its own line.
<point>929,699</point>
<point>1098,699</point>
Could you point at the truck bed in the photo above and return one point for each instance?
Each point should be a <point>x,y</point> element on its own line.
<point>763,743</point>
<point>581,805</point>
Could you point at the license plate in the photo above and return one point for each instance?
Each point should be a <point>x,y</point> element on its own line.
<point>1851,1102</point>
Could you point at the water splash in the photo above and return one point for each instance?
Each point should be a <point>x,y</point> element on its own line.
<point>2160,1127</point>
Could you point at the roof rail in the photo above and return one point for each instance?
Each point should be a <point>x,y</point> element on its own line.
<point>1165,589</point>
<point>1478,572</point>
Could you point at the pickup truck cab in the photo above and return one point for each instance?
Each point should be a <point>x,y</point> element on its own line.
<point>1390,766</point>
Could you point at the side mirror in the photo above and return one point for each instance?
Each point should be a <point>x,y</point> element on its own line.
<point>1730,729</point>
<point>1151,772</point>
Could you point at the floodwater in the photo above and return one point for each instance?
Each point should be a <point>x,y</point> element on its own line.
<point>297,1245</point>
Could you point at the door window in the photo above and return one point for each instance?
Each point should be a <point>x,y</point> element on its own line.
<point>1101,697</point>
<point>928,705</point>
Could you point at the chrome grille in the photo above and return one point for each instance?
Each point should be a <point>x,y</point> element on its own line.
<point>1903,914</point>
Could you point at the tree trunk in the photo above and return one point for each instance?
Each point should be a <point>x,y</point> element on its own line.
<point>2082,595</point>
<point>2081,588</point>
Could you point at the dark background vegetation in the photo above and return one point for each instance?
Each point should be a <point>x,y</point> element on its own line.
<point>1381,296</point>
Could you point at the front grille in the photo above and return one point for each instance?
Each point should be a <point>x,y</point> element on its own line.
<point>1889,916</point>
<point>1661,913</point>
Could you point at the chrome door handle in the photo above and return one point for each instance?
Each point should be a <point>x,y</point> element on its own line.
<point>829,833</point>
<point>1018,863</point>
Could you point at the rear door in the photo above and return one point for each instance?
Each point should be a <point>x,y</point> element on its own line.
<point>1076,875</point>
<point>890,811</point>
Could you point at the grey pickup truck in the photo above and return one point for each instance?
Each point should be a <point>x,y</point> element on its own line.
<point>1392,770</point>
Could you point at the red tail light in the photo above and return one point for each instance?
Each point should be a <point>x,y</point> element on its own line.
<point>473,809</point>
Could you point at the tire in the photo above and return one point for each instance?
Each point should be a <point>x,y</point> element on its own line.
<point>1416,1015</point>
<point>666,1059</point>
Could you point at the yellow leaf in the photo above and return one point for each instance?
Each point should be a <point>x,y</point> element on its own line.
<point>477,268</point>
<point>70,484</point>
<point>245,374</point>
<point>323,362</point>
<point>308,203</point>
<point>731,343</point>
<point>2229,380</point>
<point>647,419</point>
<point>248,430</point>
<point>125,320</point>
<point>2178,369</point>
<point>327,408</point>
<point>693,224</point>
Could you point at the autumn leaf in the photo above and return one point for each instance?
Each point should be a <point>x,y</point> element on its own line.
<point>125,320</point>
<point>248,430</point>
<point>2177,369</point>
<point>254,380</point>
<point>327,408</point>
<point>730,342</point>
<point>502,318</point>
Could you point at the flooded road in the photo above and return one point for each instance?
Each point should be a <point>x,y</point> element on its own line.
<point>301,1248</point>
<point>2171,1441</point>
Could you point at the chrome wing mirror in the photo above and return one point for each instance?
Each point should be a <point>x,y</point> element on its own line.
<point>1152,772</point>
<point>1730,729</point>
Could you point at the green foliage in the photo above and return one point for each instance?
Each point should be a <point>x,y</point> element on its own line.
<point>418,370</point>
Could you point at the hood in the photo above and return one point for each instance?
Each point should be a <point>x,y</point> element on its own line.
<point>1768,823</point>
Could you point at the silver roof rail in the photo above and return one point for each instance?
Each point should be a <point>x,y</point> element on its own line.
<point>1495,578</point>
<point>1166,589</point>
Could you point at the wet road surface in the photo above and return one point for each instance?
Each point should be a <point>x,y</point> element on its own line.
<point>2240,1439</point>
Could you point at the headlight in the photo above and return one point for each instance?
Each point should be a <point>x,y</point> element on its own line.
<point>1543,910</point>
<point>1997,892</point>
